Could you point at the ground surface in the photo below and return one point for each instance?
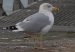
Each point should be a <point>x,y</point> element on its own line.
<point>54,41</point>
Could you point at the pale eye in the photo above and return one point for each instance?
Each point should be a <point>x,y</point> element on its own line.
<point>27,20</point>
<point>49,6</point>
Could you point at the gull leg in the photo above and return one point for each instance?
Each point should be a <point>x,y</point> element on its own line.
<point>40,42</point>
<point>35,40</point>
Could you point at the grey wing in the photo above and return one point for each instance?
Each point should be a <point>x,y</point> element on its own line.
<point>35,23</point>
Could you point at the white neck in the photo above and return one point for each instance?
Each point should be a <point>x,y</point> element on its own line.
<point>45,12</point>
<point>42,10</point>
<point>48,13</point>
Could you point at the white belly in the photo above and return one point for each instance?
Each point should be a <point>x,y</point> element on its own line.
<point>48,27</point>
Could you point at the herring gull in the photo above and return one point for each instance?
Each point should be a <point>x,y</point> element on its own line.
<point>40,22</point>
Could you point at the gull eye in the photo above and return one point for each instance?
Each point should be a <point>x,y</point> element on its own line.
<point>27,20</point>
<point>49,6</point>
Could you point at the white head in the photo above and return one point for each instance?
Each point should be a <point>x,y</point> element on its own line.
<point>47,7</point>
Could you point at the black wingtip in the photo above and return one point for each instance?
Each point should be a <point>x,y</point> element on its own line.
<point>13,28</point>
<point>10,28</point>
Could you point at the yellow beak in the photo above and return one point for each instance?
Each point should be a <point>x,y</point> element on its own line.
<point>55,9</point>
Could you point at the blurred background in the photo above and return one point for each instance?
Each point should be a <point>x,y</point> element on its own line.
<point>61,37</point>
<point>65,16</point>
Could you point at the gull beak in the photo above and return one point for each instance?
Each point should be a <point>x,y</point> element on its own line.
<point>55,9</point>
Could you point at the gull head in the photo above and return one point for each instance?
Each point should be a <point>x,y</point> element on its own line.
<point>47,7</point>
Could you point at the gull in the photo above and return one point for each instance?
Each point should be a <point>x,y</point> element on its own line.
<point>38,23</point>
